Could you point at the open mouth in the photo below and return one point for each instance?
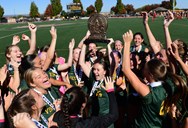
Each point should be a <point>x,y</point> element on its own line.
<point>97,77</point>
<point>46,82</point>
<point>19,57</point>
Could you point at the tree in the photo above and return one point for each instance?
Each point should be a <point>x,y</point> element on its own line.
<point>90,9</point>
<point>129,8</point>
<point>56,7</point>
<point>34,10</point>
<point>48,11</point>
<point>166,4</point>
<point>1,12</point>
<point>173,3</point>
<point>98,5</point>
<point>120,7</point>
<point>113,10</point>
<point>76,1</point>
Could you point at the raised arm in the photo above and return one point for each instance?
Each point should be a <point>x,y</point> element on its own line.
<point>110,49</point>
<point>140,87</point>
<point>152,40</point>
<point>85,37</point>
<point>15,40</point>
<point>167,21</point>
<point>51,50</point>
<point>82,62</point>
<point>59,83</point>
<point>69,63</point>
<point>174,52</point>
<point>33,29</point>
<point>15,80</point>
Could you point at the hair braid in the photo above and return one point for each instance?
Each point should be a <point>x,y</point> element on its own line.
<point>65,107</point>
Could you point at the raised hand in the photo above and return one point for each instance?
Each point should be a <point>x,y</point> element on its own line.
<point>109,83</point>
<point>8,100</point>
<point>25,37</point>
<point>32,27</point>
<point>71,44</point>
<point>14,64</point>
<point>57,104</point>
<point>53,32</point>
<point>111,41</point>
<point>23,120</point>
<point>174,51</point>
<point>15,40</point>
<point>145,17</point>
<point>168,19</point>
<point>128,37</point>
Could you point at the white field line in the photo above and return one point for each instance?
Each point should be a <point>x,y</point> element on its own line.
<point>62,49</point>
<point>66,24</point>
<point>13,34</point>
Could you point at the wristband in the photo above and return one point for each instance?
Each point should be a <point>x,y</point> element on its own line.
<point>2,120</point>
<point>110,90</point>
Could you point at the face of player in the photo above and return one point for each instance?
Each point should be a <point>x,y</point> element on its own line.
<point>118,46</point>
<point>37,62</point>
<point>76,54</point>
<point>43,56</point>
<point>15,54</point>
<point>93,49</point>
<point>40,79</point>
<point>99,71</point>
<point>138,40</point>
<point>116,58</point>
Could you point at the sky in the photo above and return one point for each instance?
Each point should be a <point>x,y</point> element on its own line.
<point>17,7</point>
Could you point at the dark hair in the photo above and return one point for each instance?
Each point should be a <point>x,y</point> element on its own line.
<point>44,48</point>
<point>27,62</point>
<point>140,34</point>
<point>72,103</point>
<point>22,102</point>
<point>117,53</point>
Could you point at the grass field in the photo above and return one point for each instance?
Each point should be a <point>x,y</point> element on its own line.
<point>77,29</point>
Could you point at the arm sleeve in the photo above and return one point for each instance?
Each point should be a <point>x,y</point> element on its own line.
<point>106,120</point>
<point>110,118</point>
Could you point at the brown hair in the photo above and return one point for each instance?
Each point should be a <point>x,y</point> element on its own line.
<point>157,69</point>
<point>22,102</point>
<point>28,75</point>
<point>8,50</point>
<point>182,47</point>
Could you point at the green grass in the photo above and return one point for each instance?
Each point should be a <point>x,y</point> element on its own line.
<point>77,29</point>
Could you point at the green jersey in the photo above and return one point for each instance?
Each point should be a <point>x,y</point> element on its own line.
<point>49,108</point>
<point>53,73</point>
<point>149,116</point>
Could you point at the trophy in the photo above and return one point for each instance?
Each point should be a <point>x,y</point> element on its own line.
<point>97,25</point>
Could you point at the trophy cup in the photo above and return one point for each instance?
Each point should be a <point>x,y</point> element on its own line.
<point>97,25</point>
